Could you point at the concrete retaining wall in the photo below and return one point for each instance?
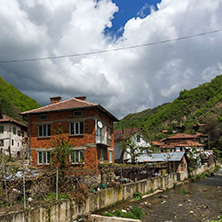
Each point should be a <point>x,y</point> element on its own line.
<point>67,210</point>
<point>202,169</point>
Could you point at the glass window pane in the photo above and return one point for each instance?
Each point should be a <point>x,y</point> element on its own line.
<point>77,128</point>
<point>40,157</point>
<point>40,130</point>
<point>48,157</point>
<point>44,157</point>
<point>81,128</point>
<point>81,155</point>
<point>110,156</point>
<point>49,130</point>
<point>76,157</point>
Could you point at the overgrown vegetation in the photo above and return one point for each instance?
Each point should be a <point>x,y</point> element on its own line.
<point>134,213</point>
<point>199,105</point>
<point>12,101</point>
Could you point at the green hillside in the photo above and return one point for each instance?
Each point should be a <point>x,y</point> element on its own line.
<point>199,105</point>
<point>12,101</point>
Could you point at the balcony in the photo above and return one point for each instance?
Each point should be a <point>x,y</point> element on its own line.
<point>103,140</point>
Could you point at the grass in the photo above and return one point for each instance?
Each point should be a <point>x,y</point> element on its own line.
<point>134,213</point>
<point>183,191</point>
<point>137,195</point>
<point>149,192</point>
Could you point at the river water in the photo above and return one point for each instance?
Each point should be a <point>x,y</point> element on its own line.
<point>200,201</point>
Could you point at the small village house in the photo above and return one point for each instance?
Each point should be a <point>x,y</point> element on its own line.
<point>134,136</point>
<point>13,136</point>
<point>177,160</point>
<point>88,126</point>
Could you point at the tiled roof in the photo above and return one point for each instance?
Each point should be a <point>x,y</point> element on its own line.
<point>5,119</point>
<point>73,103</point>
<point>181,136</point>
<point>157,143</point>
<point>63,105</point>
<point>125,133</point>
<point>189,143</point>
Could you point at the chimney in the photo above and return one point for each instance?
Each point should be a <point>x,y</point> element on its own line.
<point>55,99</point>
<point>81,98</point>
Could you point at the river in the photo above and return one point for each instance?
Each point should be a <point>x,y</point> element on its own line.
<point>199,201</point>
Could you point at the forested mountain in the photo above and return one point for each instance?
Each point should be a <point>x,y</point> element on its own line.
<point>199,105</point>
<point>12,101</point>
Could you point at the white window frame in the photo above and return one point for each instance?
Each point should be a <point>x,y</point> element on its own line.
<point>77,153</point>
<point>75,126</point>
<point>45,160</point>
<point>46,132</point>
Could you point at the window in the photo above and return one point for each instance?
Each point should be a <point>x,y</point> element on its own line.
<point>77,156</point>
<point>44,130</point>
<point>43,117</point>
<point>1,129</point>
<point>14,130</point>
<point>12,142</point>
<point>110,135</point>
<point>44,157</point>
<point>19,133</point>
<point>1,142</point>
<point>22,133</point>
<point>110,156</point>
<point>101,156</point>
<point>138,138</point>
<point>77,113</point>
<point>77,128</point>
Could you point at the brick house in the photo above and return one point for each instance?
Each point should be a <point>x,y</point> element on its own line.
<point>13,136</point>
<point>88,126</point>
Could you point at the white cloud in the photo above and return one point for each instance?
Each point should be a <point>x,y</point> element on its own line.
<point>129,80</point>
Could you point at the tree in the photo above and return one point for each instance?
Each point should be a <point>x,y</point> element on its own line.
<point>62,150</point>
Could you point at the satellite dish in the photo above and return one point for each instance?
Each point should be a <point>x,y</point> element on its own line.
<point>100,125</point>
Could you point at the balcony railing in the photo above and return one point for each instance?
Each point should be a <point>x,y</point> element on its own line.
<point>101,139</point>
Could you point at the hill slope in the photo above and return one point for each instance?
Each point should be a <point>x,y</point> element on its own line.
<point>12,101</point>
<point>192,106</point>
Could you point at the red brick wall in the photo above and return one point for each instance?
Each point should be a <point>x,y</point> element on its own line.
<point>61,120</point>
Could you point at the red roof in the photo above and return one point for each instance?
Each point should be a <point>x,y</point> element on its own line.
<point>125,133</point>
<point>4,119</point>
<point>157,143</point>
<point>182,136</point>
<point>73,103</point>
<point>189,143</point>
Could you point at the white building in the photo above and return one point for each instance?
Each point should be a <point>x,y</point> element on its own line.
<point>135,138</point>
<point>13,136</point>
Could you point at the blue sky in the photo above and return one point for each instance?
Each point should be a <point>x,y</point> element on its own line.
<point>123,81</point>
<point>127,10</point>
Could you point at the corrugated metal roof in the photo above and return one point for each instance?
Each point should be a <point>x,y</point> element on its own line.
<point>160,157</point>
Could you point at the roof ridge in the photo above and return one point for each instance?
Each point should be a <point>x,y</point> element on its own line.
<point>58,103</point>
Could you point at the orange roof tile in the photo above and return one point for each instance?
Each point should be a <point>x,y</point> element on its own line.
<point>6,118</point>
<point>182,136</point>
<point>73,103</point>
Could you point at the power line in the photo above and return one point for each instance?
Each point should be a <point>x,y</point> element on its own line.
<point>110,50</point>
